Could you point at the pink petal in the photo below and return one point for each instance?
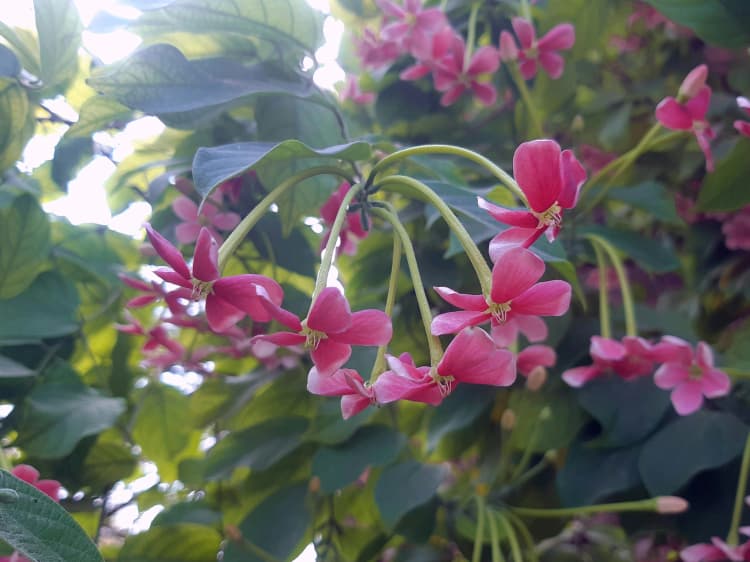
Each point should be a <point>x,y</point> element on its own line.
<point>527,68</point>
<point>670,375</point>
<point>168,252</point>
<point>560,37</point>
<point>687,397</point>
<point>431,19</point>
<point>415,72</point>
<point>514,272</point>
<point>485,93</point>
<point>508,49</point>
<point>335,384</point>
<point>187,232</point>
<point>143,300</point>
<point>243,295</point>
<point>673,115</point>
<point>743,127</point>
<point>353,404</point>
<point>226,221</point>
<point>523,219</point>
<point>175,278</point>
<point>206,257</point>
<point>451,96</point>
<point>281,315</point>
<point>284,339</point>
<point>368,327</point>
<point>704,136</point>
<point>573,176</point>
<point>606,349</point>
<point>50,488</point>
<point>744,103</point>
<point>578,376</point>
<point>453,322</point>
<point>512,237</point>
<point>525,31</point>
<point>534,356</point>
<point>462,300</point>
<point>697,107</point>
<point>505,334</point>
<point>390,387</point>
<point>473,358</point>
<point>701,553</point>
<point>533,327</point>
<point>549,298</point>
<point>694,82</point>
<point>704,357</point>
<point>221,315</point>
<point>135,283</point>
<point>330,313</point>
<point>395,31</point>
<point>715,383</point>
<point>485,60</point>
<point>329,356</point>
<point>672,349</point>
<point>26,472</point>
<point>185,209</point>
<point>536,166</point>
<point>552,63</point>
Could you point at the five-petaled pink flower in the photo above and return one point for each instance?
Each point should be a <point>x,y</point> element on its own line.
<point>209,217</point>
<point>330,330</point>
<point>347,383</point>
<point>533,50</point>
<point>352,230</point>
<point>412,25</point>
<point>743,126</point>
<point>405,381</point>
<point>551,180</point>
<point>629,359</point>
<point>514,291</point>
<point>454,75</point>
<point>228,299</point>
<point>690,374</point>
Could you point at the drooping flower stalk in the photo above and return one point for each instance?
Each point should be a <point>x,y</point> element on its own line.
<point>390,300</point>
<point>605,322</point>
<point>733,535</point>
<point>658,505</point>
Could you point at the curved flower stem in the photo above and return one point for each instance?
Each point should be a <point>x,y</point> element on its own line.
<point>330,250</point>
<point>525,10</point>
<point>390,299</point>
<point>515,547</point>
<point>525,535</point>
<point>472,34</point>
<point>504,177</point>
<point>631,328</point>
<point>733,536</point>
<point>544,415</point>
<point>605,322</point>
<point>250,220</point>
<point>642,505</point>
<point>436,349</point>
<point>476,555</point>
<point>528,101</point>
<point>472,252</point>
<point>497,553</point>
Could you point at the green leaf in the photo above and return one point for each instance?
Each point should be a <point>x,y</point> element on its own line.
<point>214,165</point>
<point>56,416</point>
<point>38,527</point>
<point>373,445</point>
<point>24,230</point>
<point>257,447</point>
<point>172,543</point>
<point>721,22</point>
<point>726,189</point>
<point>687,446</point>
<point>405,486</point>
<point>107,462</point>
<point>25,45</point>
<point>459,410</point>
<point>650,254</point>
<point>59,28</point>
<point>651,197</point>
<point>292,252</point>
<point>159,80</point>
<point>276,527</point>
<point>47,309</point>
<point>97,113</point>
<point>11,369</point>
<point>198,512</point>
<point>9,65</point>
<point>16,122</point>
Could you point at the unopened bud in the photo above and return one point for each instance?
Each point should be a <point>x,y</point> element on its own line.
<point>671,504</point>
<point>314,485</point>
<point>233,533</point>
<point>578,124</point>
<point>508,420</point>
<point>536,379</point>
<point>693,82</point>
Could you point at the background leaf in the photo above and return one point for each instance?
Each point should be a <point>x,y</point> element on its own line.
<point>405,486</point>
<point>726,188</point>
<point>59,28</point>
<point>721,22</point>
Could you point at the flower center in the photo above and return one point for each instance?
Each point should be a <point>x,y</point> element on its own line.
<point>550,217</point>
<point>532,52</point>
<point>201,289</point>
<point>696,373</point>
<point>313,337</point>
<point>499,311</point>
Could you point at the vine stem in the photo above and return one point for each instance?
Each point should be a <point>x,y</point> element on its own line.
<point>476,555</point>
<point>239,233</point>
<point>515,547</point>
<point>390,300</point>
<point>523,89</point>
<point>642,505</point>
<point>733,535</point>
<point>497,553</point>
<point>605,322</point>
<point>472,34</point>
<point>504,177</point>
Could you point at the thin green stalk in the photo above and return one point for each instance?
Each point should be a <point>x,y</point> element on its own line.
<point>390,300</point>
<point>525,10</point>
<point>5,463</point>
<point>739,498</point>
<point>631,327</point>
<point>526,476</point>
<point>436,349</point>
<point>504,177</point>
<point>330,250</point>
<point>476,555</point>
<point>497,553</point>
<point>471,38</point>
<point>642,505</point>
<point>523,89</point>
<point>246,224</point>
<point>525,535</point>
<point>515,547</point>
<point>529,450</point>
<point>472,252</point>
<point>605,322</point>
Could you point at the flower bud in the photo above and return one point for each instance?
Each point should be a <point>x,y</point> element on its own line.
<point>693,82</point>
<point>314,485</point>
<point>536,379</point>
<point>671,504</point>
<point>508,420</point>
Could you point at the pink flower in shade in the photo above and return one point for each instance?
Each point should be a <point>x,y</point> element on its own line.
<point>355,394</point>
<point>406,381</point>
<point>473,358</point>
<point>454,75</point>
<point>228,299</point>
<point>30,475</point>
<point>594,158</point>
<point>154,292</point>
<point>353,92</point>
<point>514,291</point>
<point>690,375</point>
<point>690,116</point>
<point>438,48</point>
<point>736,230</point>
<point>533,356</point>
<point>376,52</point>
<point>717,551</point>
<point>743,126</point>
<point>411,25</point>
<point>532,327</point>
<point>210,218</point>
<point>542,51</point>
<point>632,358</point>
<point>330,330</point>
<point>352,231</point>
<point>551,180</point>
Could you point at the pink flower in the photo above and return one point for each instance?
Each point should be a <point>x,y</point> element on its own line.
<point>693,83</point>
<point>473,358</point>
<point>717,551</point>
<point>330,330</point>
<point>440,46</point>
<point>375,52</point>
<point>551,180</point>
<point>454,75</point>
<point>228,299</point>
<point>632,358</point>
<point>542,51</point>
<point>532,327</point>
<point>30,475</point>
<point>743,126</point>
<point>209,218</point>
<point>412,25</point>
<point>535,356</point>
<point>690,375</point>
<point>736,229</point>
<point>406,381</point>
<point>154,292</point>
<point>355,394</point>
<point>690,116</point>
<point>352,231</point>
<point>514,291</point>
<point>353,92</point>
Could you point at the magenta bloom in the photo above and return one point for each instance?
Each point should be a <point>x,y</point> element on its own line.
<point>153,293</point>
<point>355,394</point>
<point>352,231</point>
<point>690,375</point>
<point>228,299</point>
<point>454,75</point>
<point>690,116</point>
<point>30,475</point>
<point>717,551</point>
<point>375,51</point>
<point>551,180</point>
<point>330,330</point>
<point>542,51</point>
<point>632,358</point>
<point>428,57</point>
<point>411,25</point>
<point>514,291</point>
<point>210,218</point>
<point>743,126</point>
<point>406,381</point>
<point>473,358</point>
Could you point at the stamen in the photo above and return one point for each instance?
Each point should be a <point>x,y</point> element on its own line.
<point>499,311</point>
<point>550,217</point>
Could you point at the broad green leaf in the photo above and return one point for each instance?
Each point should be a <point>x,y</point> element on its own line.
<point>275,527</point>
<point>57,415</point>
<point>11,369</point>
<point>198,512</point>
<point>16,122</point>
<point>338,466</point>
<point>59,28</point>
<point>282,23</point>
<point>652,255</point>
<point>406,486</point>
<point>651,197</point>
<point>172,543</point>
<point>458,411</point>
<point>329,428</point>
<point>25,46</point>
<point>721,22</point>
<point>726,189</point>
<point>214,165</point>
<point>107,462</point>
<point>257,447</point>
<point>159,80</point>
<point>590,18</point>
<point>70,156</point>
<point>38,527</point>
<point>687,446</point>
<point>96,114</point>
<point>9,65</point>
<point>47,309</point>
